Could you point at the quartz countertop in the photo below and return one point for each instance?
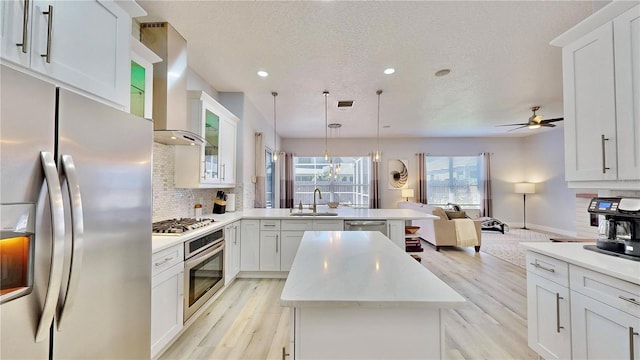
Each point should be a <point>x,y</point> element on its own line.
<point>161,242</point>
<point>574,253</point>
<point>362,269</point>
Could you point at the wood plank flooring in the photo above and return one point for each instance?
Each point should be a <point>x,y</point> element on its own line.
<point>247,321</point>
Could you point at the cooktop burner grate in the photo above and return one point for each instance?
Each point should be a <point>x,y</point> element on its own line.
<point>179,226</point>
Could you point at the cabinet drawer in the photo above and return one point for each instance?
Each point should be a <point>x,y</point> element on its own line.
<point>617,293</point>
<point>328,225</point>
<point>166,258</point>
<point>269,224</point>
<point>296,225</point>
<point>548,268</point>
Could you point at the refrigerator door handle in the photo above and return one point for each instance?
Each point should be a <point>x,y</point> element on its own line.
<point>77,236</point>
<point>57,244</point>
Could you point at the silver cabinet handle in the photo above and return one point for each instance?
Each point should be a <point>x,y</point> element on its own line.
<point>542,267</point>
<point>604,161</point>
<point>269,225</point>
<point>204,170</point>
<point>47,55</point>
<point>57,244</point>
<point>277,242</point>
<point>25,27</point>
<point>631,300</point>
<point>558,327</point>
<point>166,260</point>
<point>631,349</point>
<point>284,353</point>
<point>224,171</point>
<point>77,235</point>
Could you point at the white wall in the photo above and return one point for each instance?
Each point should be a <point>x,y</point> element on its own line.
<point>552,207</point>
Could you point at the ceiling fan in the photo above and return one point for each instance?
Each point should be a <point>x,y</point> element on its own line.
<point>535,121</point>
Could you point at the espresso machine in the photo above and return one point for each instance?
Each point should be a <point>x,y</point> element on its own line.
<point>619,232</point>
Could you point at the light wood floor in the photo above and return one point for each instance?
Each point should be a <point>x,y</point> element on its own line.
<point>247,322</point>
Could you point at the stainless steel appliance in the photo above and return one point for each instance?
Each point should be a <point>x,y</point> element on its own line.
<point>366,225</point>
<point>203,270</point>
<point>178,226</point>
<point>619,231</point>
<point>75,204</point>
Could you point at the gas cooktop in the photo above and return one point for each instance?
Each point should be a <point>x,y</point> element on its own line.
<point>178,226</point>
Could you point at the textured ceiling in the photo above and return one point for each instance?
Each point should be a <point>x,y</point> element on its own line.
<point>498,52</point>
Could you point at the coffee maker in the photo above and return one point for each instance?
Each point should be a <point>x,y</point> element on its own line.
<point>619,232</point>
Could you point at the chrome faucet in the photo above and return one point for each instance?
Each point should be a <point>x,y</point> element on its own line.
<point>314,208</point>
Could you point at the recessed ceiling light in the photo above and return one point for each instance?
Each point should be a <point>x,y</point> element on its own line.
<point>389,71</point>
<point>443,72</point>
<point>263,73</point>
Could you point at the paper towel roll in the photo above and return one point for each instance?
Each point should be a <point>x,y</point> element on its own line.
<point>231,202</point>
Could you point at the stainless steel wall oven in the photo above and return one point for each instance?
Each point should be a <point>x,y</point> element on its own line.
<point>203,270</point>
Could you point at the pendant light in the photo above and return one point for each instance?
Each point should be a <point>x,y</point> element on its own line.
<point>377,155</point>
<point>275,134</point>
<point>326,125</point>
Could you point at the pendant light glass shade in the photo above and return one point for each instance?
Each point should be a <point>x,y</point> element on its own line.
<point>377,156</point>
<point>326,125</point>
<point>275,126</point>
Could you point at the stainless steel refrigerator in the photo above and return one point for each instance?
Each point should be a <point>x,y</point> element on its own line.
<point>75,210</point>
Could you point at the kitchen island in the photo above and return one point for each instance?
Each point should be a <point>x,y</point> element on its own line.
<point>357,295</point>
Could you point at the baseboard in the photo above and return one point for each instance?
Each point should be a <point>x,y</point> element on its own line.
<point>546,229</point>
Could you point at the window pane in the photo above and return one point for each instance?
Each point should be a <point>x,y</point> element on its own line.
<point>341,179</point>
<point>269,179</point>
<point>453,179</point>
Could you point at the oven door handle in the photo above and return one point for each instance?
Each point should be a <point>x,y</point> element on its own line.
<point>204,255</point>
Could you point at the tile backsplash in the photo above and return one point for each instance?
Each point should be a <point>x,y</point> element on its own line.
<point>169,202</point>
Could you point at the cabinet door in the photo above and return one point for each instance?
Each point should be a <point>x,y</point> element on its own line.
<point>626,30</point>
<point>270,250</point>
<point>589,107</point>
<point>250,245</point>
<point>395,232</point>
<point>166,306</point>
<point>549,327</point>
<point>15,28</point>
<point>232,253</point>
<point>601,331</point>
<point>210,152</point>
<point>228,151</point>
<point>290,243</point>
<point>88,47</point>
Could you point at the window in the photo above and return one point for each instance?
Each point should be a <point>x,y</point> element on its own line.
<point>269,183</point>
<point>344,180</point>
<point>453,179</point>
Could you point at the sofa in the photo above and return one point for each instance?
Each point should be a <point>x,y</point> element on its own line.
<point>441,232</point>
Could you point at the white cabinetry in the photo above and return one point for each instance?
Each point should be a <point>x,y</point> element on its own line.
<point>84,44</point>
<point>270,245</point>
<point>395,232</point>
<point>601,78</point>
<point>212,165</point>
<point>548,316</point>
<point>578,313</point>
<point>250,245</point>
<point>232,251</point>
<point>166,297</point>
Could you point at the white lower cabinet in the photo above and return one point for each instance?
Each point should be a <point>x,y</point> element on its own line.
<point>601,331</point>
<point>270,250</point>
<point>549,330</point>
<point>395,232</point>
<point>167,290</point>
<point>231,251</point>
<point>580,313</point>
<point>250,245</point>
<point>290,241</point>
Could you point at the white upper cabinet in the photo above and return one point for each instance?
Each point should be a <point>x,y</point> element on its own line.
<point>601,77</point>
<point>212,165</point>
<point>84,44</point>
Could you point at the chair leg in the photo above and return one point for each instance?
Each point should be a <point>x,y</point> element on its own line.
<point>477,248</point>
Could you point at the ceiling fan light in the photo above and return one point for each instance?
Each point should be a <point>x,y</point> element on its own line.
<point>534,126</point>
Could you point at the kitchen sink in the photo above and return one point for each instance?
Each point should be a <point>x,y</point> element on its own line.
<point>313,214</point>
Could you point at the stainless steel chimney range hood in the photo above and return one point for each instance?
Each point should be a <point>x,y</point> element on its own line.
<point>169,85</point>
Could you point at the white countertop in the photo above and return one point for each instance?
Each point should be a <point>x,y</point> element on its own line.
<point>161,242</point>
<point>574,253</point>
<point>361,268</point>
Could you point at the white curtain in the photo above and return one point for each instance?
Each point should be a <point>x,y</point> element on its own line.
<point>260,172</point>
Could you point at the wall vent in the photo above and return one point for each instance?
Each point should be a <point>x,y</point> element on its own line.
<point>345,104</point>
